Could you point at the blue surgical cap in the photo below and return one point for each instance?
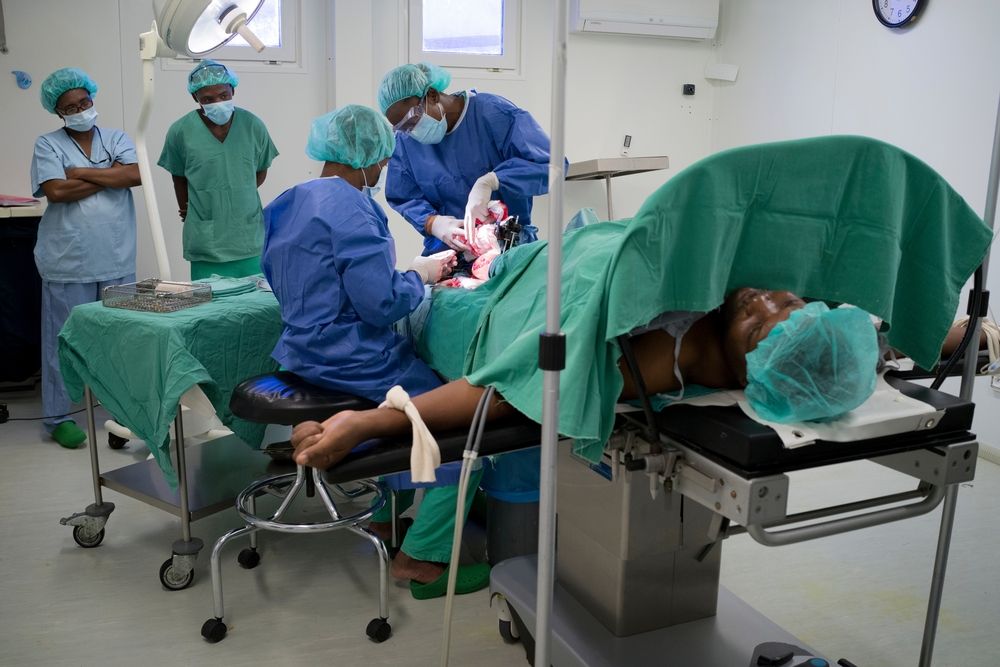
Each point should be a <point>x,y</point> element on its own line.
<point>210,73</point>
<point>353,135</point>
<point>411,81</point>
<point>816,365</point>
<point>60,81</point>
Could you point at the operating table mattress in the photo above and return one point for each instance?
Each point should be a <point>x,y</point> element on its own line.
<point>728,436</point>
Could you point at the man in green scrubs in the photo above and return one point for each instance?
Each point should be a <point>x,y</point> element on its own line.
<point>218,155</point>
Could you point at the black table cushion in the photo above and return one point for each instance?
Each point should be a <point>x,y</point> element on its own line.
<point>728,436</point>
<point>384,457</point>
<point>285,398</point>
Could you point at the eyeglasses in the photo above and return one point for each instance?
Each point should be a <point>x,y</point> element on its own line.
<point>83,105</point>
<point>409,119</point>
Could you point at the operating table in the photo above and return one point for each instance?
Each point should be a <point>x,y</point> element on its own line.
<point>640,533</point>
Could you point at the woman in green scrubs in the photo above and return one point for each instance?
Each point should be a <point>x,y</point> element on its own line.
<point>218,156</point>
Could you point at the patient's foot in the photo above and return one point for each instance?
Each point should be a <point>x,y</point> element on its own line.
<point>422,571</point>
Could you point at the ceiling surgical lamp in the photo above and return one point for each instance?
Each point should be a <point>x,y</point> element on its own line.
<point>192,28</point>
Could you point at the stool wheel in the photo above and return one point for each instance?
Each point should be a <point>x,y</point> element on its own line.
<point>248,559</point>
<point>378,630</point>
<point>116,441</point>
<point>214,630</point>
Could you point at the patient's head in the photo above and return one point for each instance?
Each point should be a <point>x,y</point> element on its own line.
<point>799,362</point>
<point>749,315</point>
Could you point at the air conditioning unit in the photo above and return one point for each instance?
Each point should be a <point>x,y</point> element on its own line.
<point>679,19</point>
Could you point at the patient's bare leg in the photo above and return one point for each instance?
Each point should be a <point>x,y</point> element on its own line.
<point>449,407</point>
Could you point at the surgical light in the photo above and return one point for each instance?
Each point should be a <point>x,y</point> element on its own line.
<point>193,28</point>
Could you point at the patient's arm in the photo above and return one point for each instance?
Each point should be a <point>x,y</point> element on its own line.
<point>954,337</point>
<point>451,406</point>
<point>448,407</point>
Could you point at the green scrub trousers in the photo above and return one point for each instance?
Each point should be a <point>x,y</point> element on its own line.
<point>239,268</point>
<point>430,536</point>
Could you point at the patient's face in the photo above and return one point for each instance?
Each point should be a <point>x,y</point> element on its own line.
<point>749,315</point>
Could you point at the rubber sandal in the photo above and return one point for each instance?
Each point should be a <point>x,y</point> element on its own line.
<point>471,578</point>
<point>69,435</point>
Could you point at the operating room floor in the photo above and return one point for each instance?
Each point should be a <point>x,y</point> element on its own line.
<point>860,596</point>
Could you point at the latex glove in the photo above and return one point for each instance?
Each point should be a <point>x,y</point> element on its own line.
<point>451,231</point>
<point>435,267</point>
<point>479,198</point>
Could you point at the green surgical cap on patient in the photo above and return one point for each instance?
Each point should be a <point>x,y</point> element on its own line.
<point>210,73</point>
<point>353,135</point>
<point>60,81</point>
<point>411,81</point>
<point>816,365</point>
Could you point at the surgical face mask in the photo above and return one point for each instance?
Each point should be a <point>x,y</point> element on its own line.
<point>373,190</point>
<point>219,112</point>
<point>83,121</point>
<point>429,130</point>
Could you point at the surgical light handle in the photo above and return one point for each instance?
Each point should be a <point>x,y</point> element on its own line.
<point>238,24</point>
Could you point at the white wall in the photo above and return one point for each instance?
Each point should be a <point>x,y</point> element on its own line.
<point>101,37</point>
<point>811,69</point>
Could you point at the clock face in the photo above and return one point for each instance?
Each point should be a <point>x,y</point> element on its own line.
<point>896,13</point>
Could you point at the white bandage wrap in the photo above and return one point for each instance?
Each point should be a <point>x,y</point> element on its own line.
<point>425,456</point>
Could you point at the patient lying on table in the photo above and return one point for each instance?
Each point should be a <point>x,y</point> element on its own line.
<point>797,361</point>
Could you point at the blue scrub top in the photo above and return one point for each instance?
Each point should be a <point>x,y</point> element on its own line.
<point>330,260</point>
<point>92,239</point>
<point>494,135</point>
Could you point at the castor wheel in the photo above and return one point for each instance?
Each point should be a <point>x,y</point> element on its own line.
<point>87,537</point>
<point>378,630</point>
<point>214,630</point>
<point>248,559</point>
<point>508,633</point>
<point>172,579</point>
<point>116,441</point>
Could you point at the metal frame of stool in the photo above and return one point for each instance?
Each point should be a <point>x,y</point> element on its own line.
<point>378,630</point>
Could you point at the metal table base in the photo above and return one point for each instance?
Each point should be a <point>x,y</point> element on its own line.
<point>210,475</point>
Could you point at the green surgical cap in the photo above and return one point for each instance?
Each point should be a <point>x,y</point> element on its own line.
<point>60,81</point>
<point>353,135</point>
<point>816,365</point>
<point>411,81</point>
<point>210,73</point>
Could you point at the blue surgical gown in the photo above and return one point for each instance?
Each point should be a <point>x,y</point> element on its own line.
<point>494,135</point>
<point>330,260</point>
<point>92,239</point>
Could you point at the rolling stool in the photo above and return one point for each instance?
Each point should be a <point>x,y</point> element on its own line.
<point>284,398</point>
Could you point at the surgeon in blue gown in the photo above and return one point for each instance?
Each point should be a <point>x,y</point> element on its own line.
<point>456,152</point>
<point>330,259</point>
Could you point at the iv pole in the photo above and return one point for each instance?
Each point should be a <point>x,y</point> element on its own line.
<point>968,378</point>
<point>552,344</point>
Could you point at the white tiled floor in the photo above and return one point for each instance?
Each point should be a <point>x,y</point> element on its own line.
<point>860,596</point>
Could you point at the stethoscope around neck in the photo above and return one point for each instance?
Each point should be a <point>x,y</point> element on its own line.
<point>100,140</point>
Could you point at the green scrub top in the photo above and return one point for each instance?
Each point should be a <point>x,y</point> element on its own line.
<point>224,220</point>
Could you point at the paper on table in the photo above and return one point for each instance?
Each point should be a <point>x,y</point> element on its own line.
<point>14,200</point>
